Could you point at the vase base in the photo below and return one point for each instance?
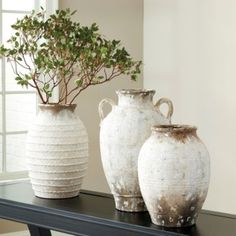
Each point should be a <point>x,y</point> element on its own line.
<point>56,195</point>
<point>130,204</point>
<point>172,221</point>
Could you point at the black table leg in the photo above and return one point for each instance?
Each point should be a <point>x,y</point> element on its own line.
<point>37,231</point>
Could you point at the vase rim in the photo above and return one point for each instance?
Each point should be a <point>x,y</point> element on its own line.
<point>173,128</point>
<point>136,91</point>
<point>55,107</point>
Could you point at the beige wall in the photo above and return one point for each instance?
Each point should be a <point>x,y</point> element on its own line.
<point>190,56</point>
<point>122,20</point>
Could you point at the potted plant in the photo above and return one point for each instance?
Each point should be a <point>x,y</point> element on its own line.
<point>52,53</point>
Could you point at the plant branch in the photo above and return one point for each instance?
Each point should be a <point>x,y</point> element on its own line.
<point>38,90</point>
<point>54,51</point>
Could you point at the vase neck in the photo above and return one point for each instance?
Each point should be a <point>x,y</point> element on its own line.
<point>137,98</point>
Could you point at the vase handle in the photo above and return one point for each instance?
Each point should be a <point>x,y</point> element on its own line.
<point>170,107</point>
<point>101,104</point>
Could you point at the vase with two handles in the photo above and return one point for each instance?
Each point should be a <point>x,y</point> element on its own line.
<point>122,134</point>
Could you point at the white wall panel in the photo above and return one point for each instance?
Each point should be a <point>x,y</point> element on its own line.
<point>190,57</point>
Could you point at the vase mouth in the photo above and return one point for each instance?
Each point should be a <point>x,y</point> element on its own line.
<point>57,107</point>
<point>136,91</point>
<point>174,128</point>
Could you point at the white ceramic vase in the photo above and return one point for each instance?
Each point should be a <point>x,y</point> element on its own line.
<point>57,152</point>
<point>174,171</point>
<point>122,134</point>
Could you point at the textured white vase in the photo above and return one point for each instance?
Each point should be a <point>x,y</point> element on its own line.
<point>57,152</point>
<point>174,172</point>
<point>122,134</point>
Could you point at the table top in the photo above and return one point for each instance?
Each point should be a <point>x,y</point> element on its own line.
<point>93,213</point>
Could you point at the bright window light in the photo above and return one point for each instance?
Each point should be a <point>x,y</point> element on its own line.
<point>17,105</point>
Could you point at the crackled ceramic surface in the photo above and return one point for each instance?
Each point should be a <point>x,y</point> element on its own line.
<point>122,134</point>
<point>174,172</point>
<point>57,152</point>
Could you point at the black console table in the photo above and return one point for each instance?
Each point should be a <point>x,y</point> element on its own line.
<point>94,214</point>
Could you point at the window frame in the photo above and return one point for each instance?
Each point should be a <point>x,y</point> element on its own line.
<point>51,7</point>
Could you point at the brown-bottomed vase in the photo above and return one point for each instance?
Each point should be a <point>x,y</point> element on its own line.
<point>174,172</point>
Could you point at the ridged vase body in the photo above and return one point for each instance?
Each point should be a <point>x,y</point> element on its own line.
<point>57,152</point>
<point>174,172</point>
<point>122,134</point>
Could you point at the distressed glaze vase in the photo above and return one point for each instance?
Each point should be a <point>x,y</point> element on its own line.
<point>122,134</point>
<point>174,172</point>
<point>57,152</point>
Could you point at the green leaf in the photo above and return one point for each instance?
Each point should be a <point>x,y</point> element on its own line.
<point>18,78</point>
<point>134,77</point>
<point>72,13</point>
<point>46,86</point>
<point>79,82</point>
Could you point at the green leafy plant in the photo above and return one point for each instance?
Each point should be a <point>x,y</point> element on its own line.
<point>46,53</point>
